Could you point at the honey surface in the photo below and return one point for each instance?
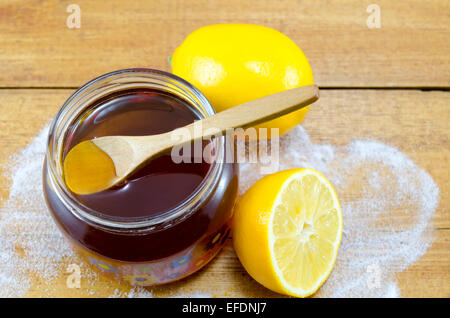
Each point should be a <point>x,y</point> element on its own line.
<point>156,187</point>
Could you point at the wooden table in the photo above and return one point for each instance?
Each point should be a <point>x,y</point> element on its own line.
<point>389,83</point>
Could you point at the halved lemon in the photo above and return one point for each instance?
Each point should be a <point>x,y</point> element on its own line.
<point>287,231</point>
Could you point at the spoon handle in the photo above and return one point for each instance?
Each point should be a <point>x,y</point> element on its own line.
<point>255,112</point>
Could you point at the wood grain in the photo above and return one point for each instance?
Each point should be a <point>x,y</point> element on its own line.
<point>411,49</point>
<point>415,122</point>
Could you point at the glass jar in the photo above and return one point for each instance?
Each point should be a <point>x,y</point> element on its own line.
<point>154,249</point>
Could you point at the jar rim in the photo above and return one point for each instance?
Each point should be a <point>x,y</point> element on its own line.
<point>56,142</point>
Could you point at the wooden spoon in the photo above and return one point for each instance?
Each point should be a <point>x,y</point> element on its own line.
<point>98,164</point>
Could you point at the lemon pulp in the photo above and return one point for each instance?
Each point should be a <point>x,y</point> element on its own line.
<point>288,228</point>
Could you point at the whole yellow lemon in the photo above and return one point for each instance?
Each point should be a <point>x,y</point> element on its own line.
<point>235,63</point>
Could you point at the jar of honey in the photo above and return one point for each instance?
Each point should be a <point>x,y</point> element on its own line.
<point>168,219</point>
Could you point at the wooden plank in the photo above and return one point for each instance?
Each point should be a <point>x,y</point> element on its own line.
<point>415,122</point>
<point>225,277</point>
<point>410,49</point>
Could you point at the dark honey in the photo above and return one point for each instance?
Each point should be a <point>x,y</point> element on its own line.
<point>161,184</point>
<point>173,251</point>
